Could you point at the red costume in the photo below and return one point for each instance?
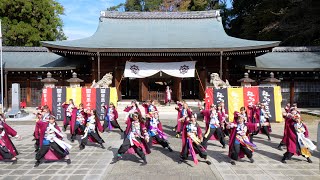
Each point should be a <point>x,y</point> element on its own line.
<point>69,120</point>
<point>111,117</point>
<point>7,148</point>
<point>51,145</point>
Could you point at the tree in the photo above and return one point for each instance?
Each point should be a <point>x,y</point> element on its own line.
<point>294,22</point>
<point>27,22</point>
<point>133,5</point>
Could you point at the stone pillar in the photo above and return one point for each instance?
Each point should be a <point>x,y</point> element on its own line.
<point>49,82</point>
<point>246,81</point>
<point>74,81</point>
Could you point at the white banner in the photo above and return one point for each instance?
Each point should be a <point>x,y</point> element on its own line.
<point>143,69</point>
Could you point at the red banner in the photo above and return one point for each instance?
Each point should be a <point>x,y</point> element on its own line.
<point>209,98</point>
<point>88,98</point>
<point>250,96</point>
<point>46,98</point>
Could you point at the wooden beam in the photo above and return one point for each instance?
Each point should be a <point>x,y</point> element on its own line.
<point>177,94</point>
<point>143,89</point>
<point>292,91</point>
<point>117,81</point>
<point>221,72</point>
<point>99,70</point>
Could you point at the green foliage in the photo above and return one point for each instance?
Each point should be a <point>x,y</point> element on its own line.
<point>27,22</point>
<point>133,5</point>
<point>169,5</point>
<point>294,22</point>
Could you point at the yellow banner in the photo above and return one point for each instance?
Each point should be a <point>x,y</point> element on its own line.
<point>235,101</point>
<point>75,94</point>
<point>113,96</point>
<point>277,103</point>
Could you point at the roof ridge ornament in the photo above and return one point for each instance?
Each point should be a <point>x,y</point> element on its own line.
<point>160,15</point>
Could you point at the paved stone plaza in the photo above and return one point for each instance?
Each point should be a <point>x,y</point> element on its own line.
<point>94,163</point>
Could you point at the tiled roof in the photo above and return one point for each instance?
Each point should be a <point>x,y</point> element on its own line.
<point>159,32</point>
<point>24,49</point>
<point>37,61</point>
<point>288,61</point>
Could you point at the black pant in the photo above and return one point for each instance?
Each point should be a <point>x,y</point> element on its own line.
<point>212,131</point>
<point>197,148</point>
<point>161,141</point>
<point>76,128</point>
<point>264,130</point>
<point>45,148</point>
<point>126,145</point>
<point>287,155</point>
<point>113,123</point>
<point>94,135</point>
<point>5,153</point>
<point>68,118</point>
<point>236,149</point>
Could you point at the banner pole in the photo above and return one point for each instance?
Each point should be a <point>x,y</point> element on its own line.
<point>122,76</point>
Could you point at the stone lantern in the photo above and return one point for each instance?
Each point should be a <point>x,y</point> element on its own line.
<point>271,81</point>
<point>74,81</point>
<point>49,81</point>
<point>246,81</point>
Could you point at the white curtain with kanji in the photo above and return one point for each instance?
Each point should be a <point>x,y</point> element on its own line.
<point>144,69</point>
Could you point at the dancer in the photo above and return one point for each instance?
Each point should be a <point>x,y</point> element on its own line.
<point>77,124</point>
<point>239,143</point>
<point>43,114</point>
<point>263,116</point>
<point>70,114</point>
<point>183,112</point>
<point>136,140</point>
<point>297,140</point>
<point>131,109</point>
<point>168,96</point>
<point>191,141</point>
<point>290,112</point>
<point>252,127</point>
<point>149,106</point>
<point>111,117</point>
<point>50,137</point>
<point>223,117</point>
<point>8,151</point>
<point>213,126</point>
<point>93,127</point>
<point>155,131</point>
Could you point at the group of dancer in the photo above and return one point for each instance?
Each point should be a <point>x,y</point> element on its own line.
<point>144,130</point>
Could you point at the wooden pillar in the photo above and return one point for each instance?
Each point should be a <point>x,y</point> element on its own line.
<point>117,82</point>
<point>221,65</point>
<point>99,64</point>
<point>177,89</point>
<point>6,102</point>
<point>143,89</point>
<point>203,81</point>
<point>28,100</point>
<point>292,91</point>
<point>226,69</point>
<point>93,69</point>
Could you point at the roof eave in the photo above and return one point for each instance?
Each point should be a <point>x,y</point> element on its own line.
<point>280,69</point>
<point>158,50</point>
<point>40,69</point>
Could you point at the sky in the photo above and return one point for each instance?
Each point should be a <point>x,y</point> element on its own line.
<point>81,17</point>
